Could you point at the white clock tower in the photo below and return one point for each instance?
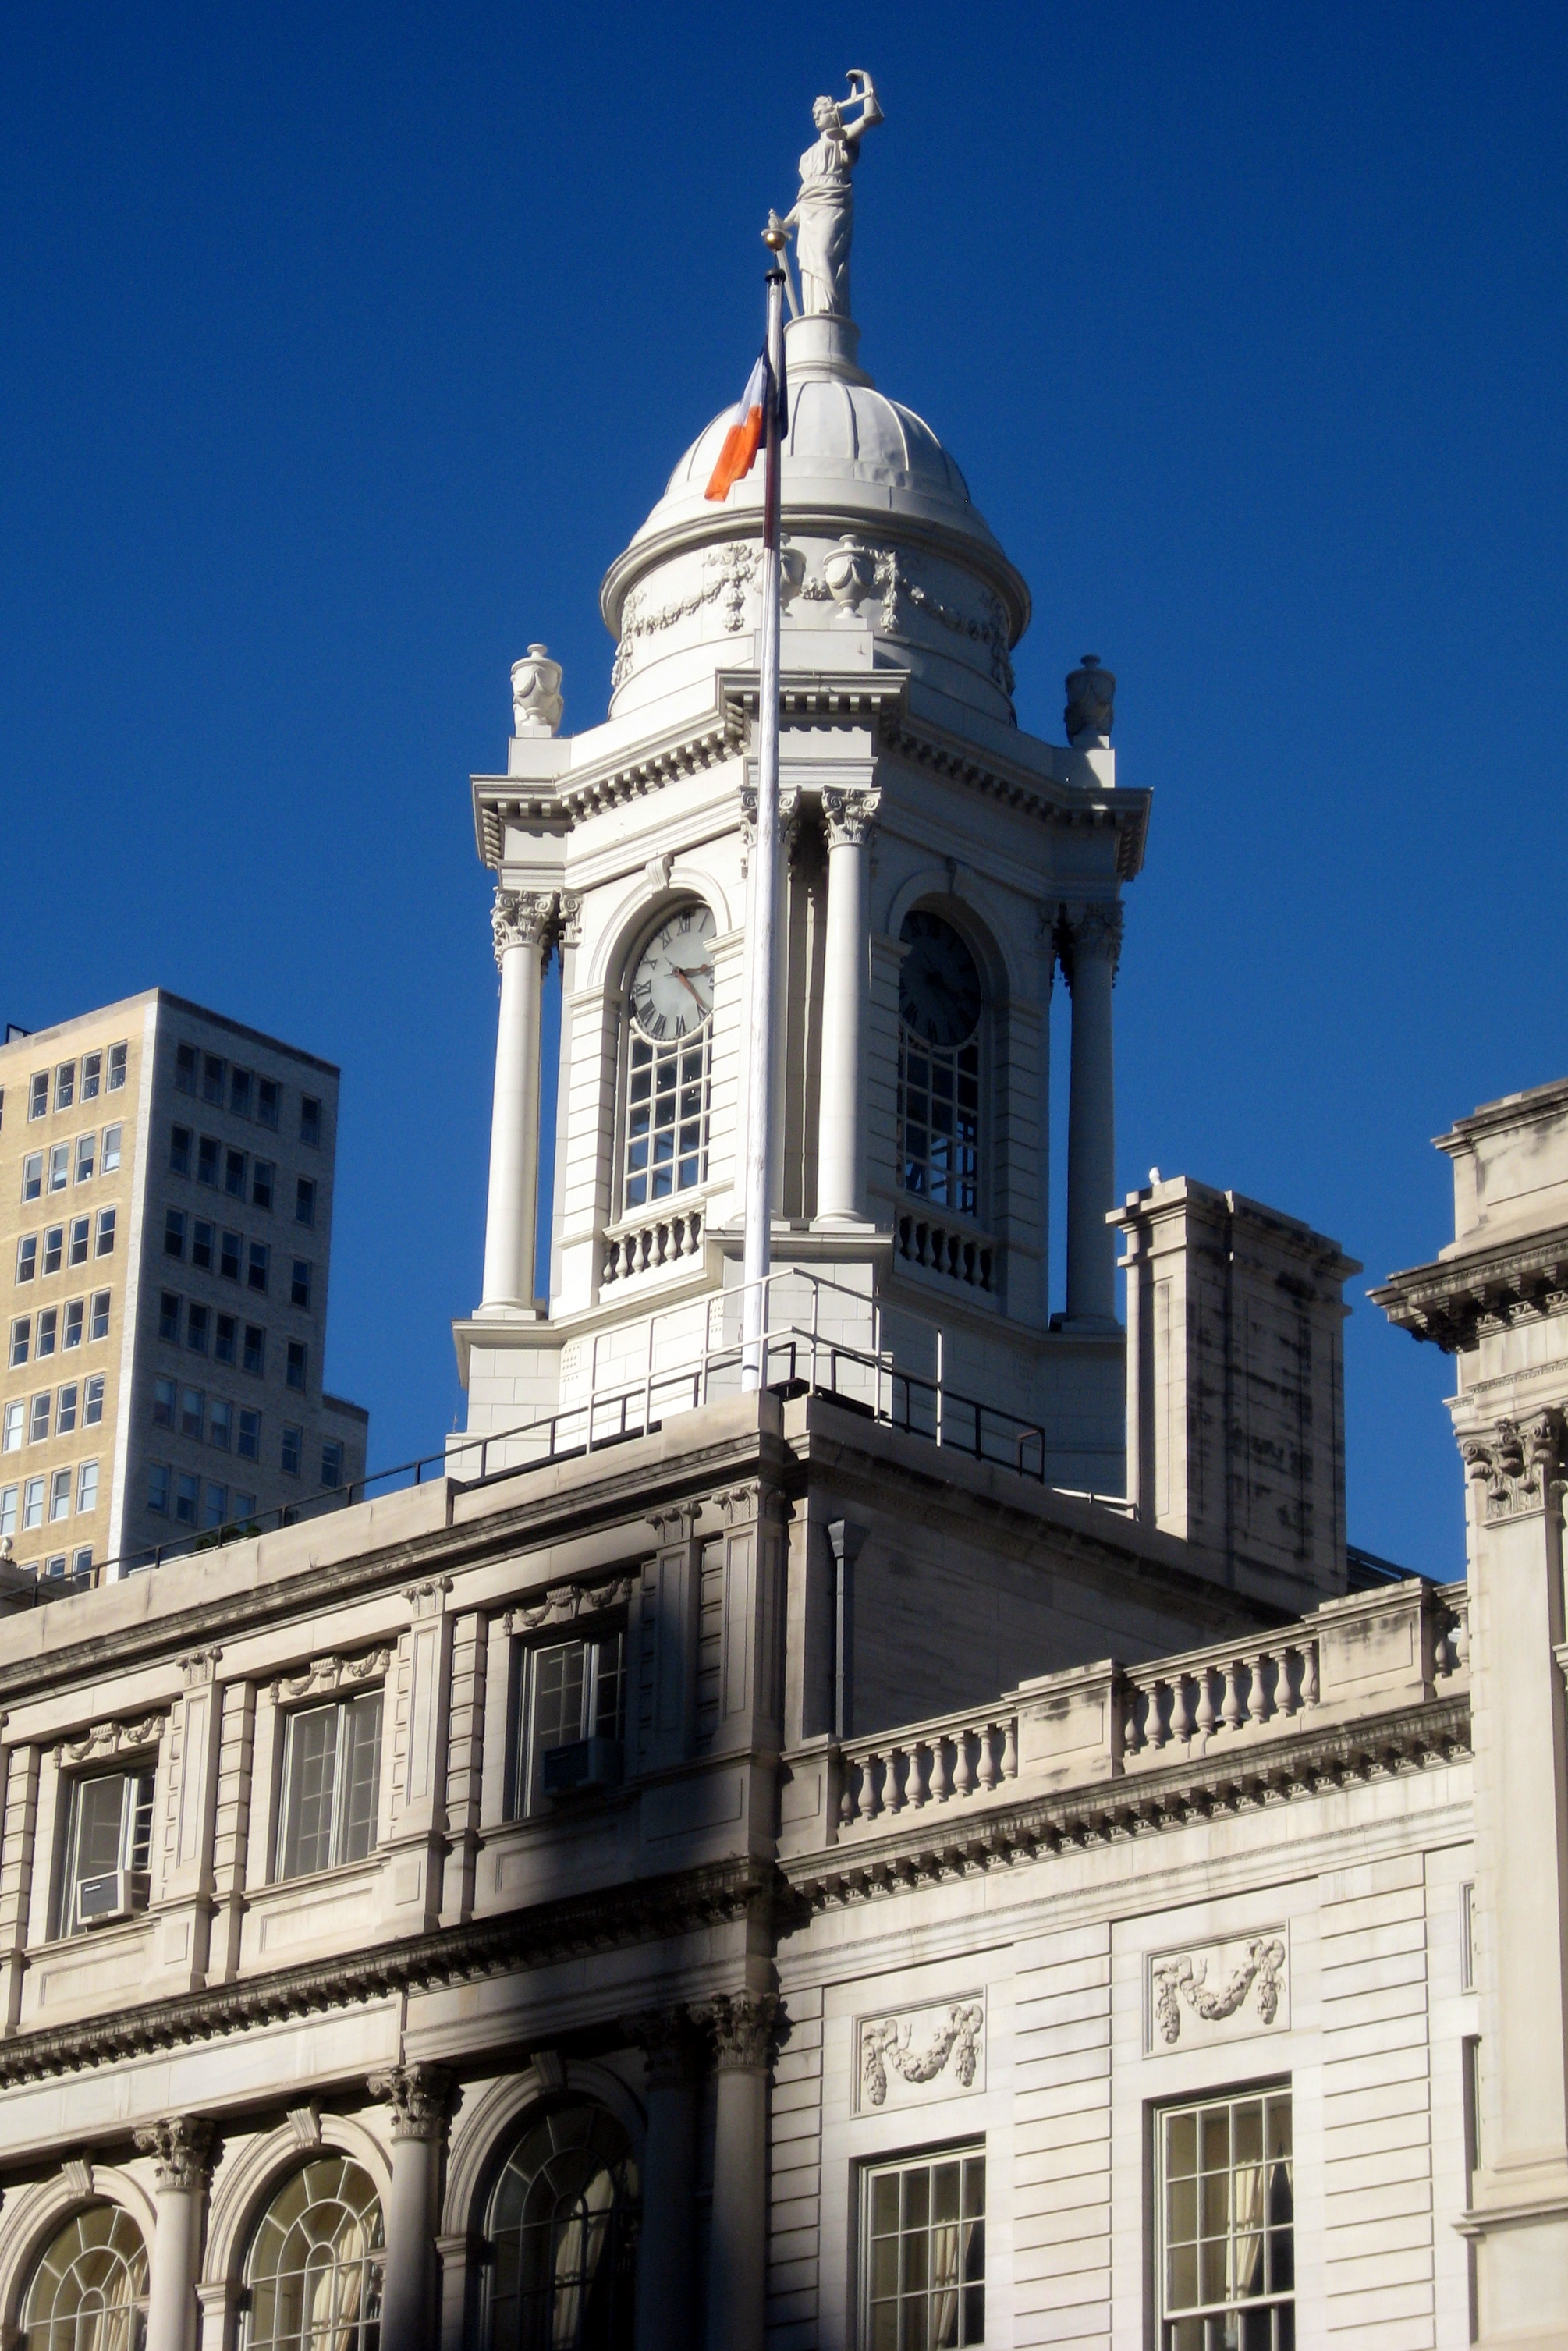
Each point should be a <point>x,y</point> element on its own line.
<point>939,864</point>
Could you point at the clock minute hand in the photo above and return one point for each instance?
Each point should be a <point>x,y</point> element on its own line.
<point>686,982</point>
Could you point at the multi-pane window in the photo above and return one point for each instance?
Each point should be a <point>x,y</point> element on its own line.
<point>924,2238</point>
<point>179,1150</point>
<point>239,1092</point>
<point>197,1319</point>
<point>38,1094</point>
<point>332,1463</point>
<point>187,1495</point>
<point>65,1085</point>
<point>91,1076</point>
<point>59,1165</point>
<point>33,1175</point>
<point>32,1505</point>
<point>38,1426</point>
<point>310,1119</point>
<point>212,1078</point>
<point>116,1069</point>
<point>174,1232</point>
<point>192,1413</point>
<point>108,1165</point>
<point>225,1334</point>
<point>105,1246</point>
<point>27,1257</point>
<point>220,1424</point>
<point>574,1696</point>
<point>266,1098</point>
<point>254,1354</point>
<point>74,1322</point>
<point>292,1453</point>
<point>304,1201</point>
<point>294,1372</point>
<point>165,1401</point>
<point>207,1159</point>
<point>86,1152</point>
<point>158,1488</point>
<point>1226,2252</point>
<point>76,1254</point>
<point>48,1330</point>
<point>332,1773</point>
<point>11,1431</point>
<point>300,1283</point>
<point>89,2285</point>
<point>109,1845</point>
<point>20,1332</point>
<point>233,1173</point>
<point>230,1249</point>
<point>562,2237</point>
<point>169,1316</point>
<point>54,1248</point>
<point>248,1446</point>
<point>256,1272</point>
<point>940,1007</point>
<point>313,2274</point>
<point>185,1068</point>
<point>66,1413</point>
<point>59,1495</point>
<point>92,1402</point>
<point>100,1329</point>
<point>261,1184</point>
<point>87,1486</point>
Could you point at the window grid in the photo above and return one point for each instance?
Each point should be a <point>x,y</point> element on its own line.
<point>1228,2250</point>
<point>574,1690</point>
<point>315,2266</point>
<point>331,1778</point>
<point>667,1117</point>
<point>925,2254</point>
<point>939,1141</point>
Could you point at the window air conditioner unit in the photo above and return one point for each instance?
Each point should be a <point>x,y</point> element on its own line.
<point>580,1767</point>
<point>116,1894</point>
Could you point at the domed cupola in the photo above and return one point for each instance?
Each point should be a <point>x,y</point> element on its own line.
<point>884,549</point>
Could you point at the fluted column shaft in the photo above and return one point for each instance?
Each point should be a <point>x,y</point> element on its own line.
<point>1090,944</point>
<point>180,2146</point>
<point>664,2262</point>
<point>520,921</point>
<point>737,2251</point>
<point>419,2096</point>
<point>850,817</point>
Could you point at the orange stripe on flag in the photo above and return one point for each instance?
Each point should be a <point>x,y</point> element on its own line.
<point>738,456</point>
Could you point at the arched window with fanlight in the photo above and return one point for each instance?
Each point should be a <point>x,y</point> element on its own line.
<point>314,2270</point>
<point>941,1009</point>
<point>563,2235</point>
<point>88,2291</point>
<point>668,1061</point>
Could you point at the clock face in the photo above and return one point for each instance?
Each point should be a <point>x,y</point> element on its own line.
<point>672,988</point>
<point>939,994</point>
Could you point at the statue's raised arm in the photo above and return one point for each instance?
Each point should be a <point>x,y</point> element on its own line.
<point>823,218</point>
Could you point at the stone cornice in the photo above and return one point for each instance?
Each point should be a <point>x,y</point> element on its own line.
<point>570,1928</point>
<point>1116,1810</point>
<point>1454,1303</point>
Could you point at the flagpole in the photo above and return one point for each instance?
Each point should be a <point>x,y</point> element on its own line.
<point>765,877</point>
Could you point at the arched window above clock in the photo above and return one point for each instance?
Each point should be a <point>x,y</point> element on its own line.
<point>941,1021</point>
<point>667,1062</point>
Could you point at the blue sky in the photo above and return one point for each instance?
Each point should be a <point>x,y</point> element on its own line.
<point>345,348</point>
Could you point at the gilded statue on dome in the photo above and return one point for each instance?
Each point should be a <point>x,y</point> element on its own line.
<point>824,215</point>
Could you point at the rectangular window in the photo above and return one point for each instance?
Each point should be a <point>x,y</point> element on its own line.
<point>939,1121</point>
<point>332,1463</point>
<point>233,1173</point>
<point>179,1150</point>
<point>77,1254</point>
<point>924,2253</point>
<point>87,1148</point>
<point>116,1069</point>
<point>109,1845</point>
<point>212,1078</point>
<point>300,1283</point>
<point>32,1505</point>
<point>202,1243</point>
<point>109,1163</point>
<point>207,1160</point>
<point>158,1488</point>
<point>15,1420</point>
<point>87,1486</point>
<point>220,1425</point>
<point>214,1504</point>
<point>310,1119</point>
<point>38,1420</point>
<point>229,1256</point>
<point>65,1085</point>
<point>331,1778</point>
<point>239,1092</point>
<point>9,1510</point>
<point>55,1566</point>
<point>82,1561</point>
<point>304,1201</point>
<point>187,1498</point>
<point>59,1165</point>
<point>48,1330</point>
<point>196,1321</point>
<point>54,1248</point>
<point>573,1696</point>
<point>244,1507</point>
<point>266,1098</point>
<point>59,1495</point>
<point>33,1175</point>
<point>1227,2249</point>
<point>293,1451</point>
<point>261,1184</point>
<point>38,1094</point>
<point>21,1331</point>
<point>27,1257</point>
<point>253,1359</point>
<point>66,1410</point>
<point>192,1413</point>
<point>74,1323</point>
<point>169,1317</point>
<point>185,1068</point>
<point>295,1374</point>
<point>105,1247</point>
<point>249,1445</point>
<point>225,1339</point>
<point>256,1277</point>
<point>92,1406</point>
<point>165,1397</point>
<point>174,1232</point>
<point>100,1329</point>
<point>91,1076</point>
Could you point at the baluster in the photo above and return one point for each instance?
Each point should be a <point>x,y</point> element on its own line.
<point>990,1770</point>
<point>1206,1716</point>
<point>1309,1674</point>
<point>1132,1738</point>
<point>1286,1699</point>
<point>1230,1713</point>
<point>893,1796</point>
<point>1154,1722</point>
<point>1010,1748</point>
<point>963,1771</point>
<point>846,1790</point>
<point>1181,1721</point>
<point>1461,1636</point>
<point>875,1785</point>
<point>941,1779</point>
<point>1260,1706</point>
<point>914,1788</point>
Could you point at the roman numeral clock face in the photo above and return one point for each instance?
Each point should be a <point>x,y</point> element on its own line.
<point>672,988</point>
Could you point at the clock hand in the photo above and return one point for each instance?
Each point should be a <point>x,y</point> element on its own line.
<point>682,976</point>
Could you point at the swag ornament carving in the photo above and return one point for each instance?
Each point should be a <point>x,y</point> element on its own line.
<point>1518,1464</point>
<point>1211,1987</point>
<point>325,1674</point>
<point>950,2044</point>
<point>107,1740</point>
<point>564,1603</point>
<point>727,575</point>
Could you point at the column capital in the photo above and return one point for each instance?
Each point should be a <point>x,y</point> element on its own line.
<point>671,2044</point>
<point>420,2097</point>
<point>1518,1464</point>
<point>1089,930</point>
<point>181,2146</point>
<point>742,2025</point>
<point>850,814</point>
<point>521,918</point>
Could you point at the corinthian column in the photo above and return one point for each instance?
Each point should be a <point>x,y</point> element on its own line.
<point>742,2026</point>
<point>671,2054</point>
<point>180,2147</point>
<point>841,1153</point>
<point>419,2096</point>
<point>1089,945</point>
<point>520,920</point>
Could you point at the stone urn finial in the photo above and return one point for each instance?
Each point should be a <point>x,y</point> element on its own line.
<point>791,574</point>
<point>1091,710</point>
<point>537,701</point>
<point>850,571</point>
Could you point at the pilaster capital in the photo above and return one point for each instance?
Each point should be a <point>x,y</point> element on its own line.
<point>849,815</point>
<point>671,2044</point>
<point>521,918</point>
<point>742,2025</point>
<point>1089,930</point>
<point>420,2097</point>
<point>181,2146</point>
<point>568,918</point>
<point>1518,1464</point>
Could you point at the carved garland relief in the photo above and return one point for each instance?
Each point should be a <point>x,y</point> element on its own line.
<point>920,2054</point>
<point>1219,1992</point>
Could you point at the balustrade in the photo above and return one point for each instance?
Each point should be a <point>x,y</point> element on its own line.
<point>945,1762</point>
<point>655,1240</point>
<point>1174,1706</point>
<point>959,1253</point>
